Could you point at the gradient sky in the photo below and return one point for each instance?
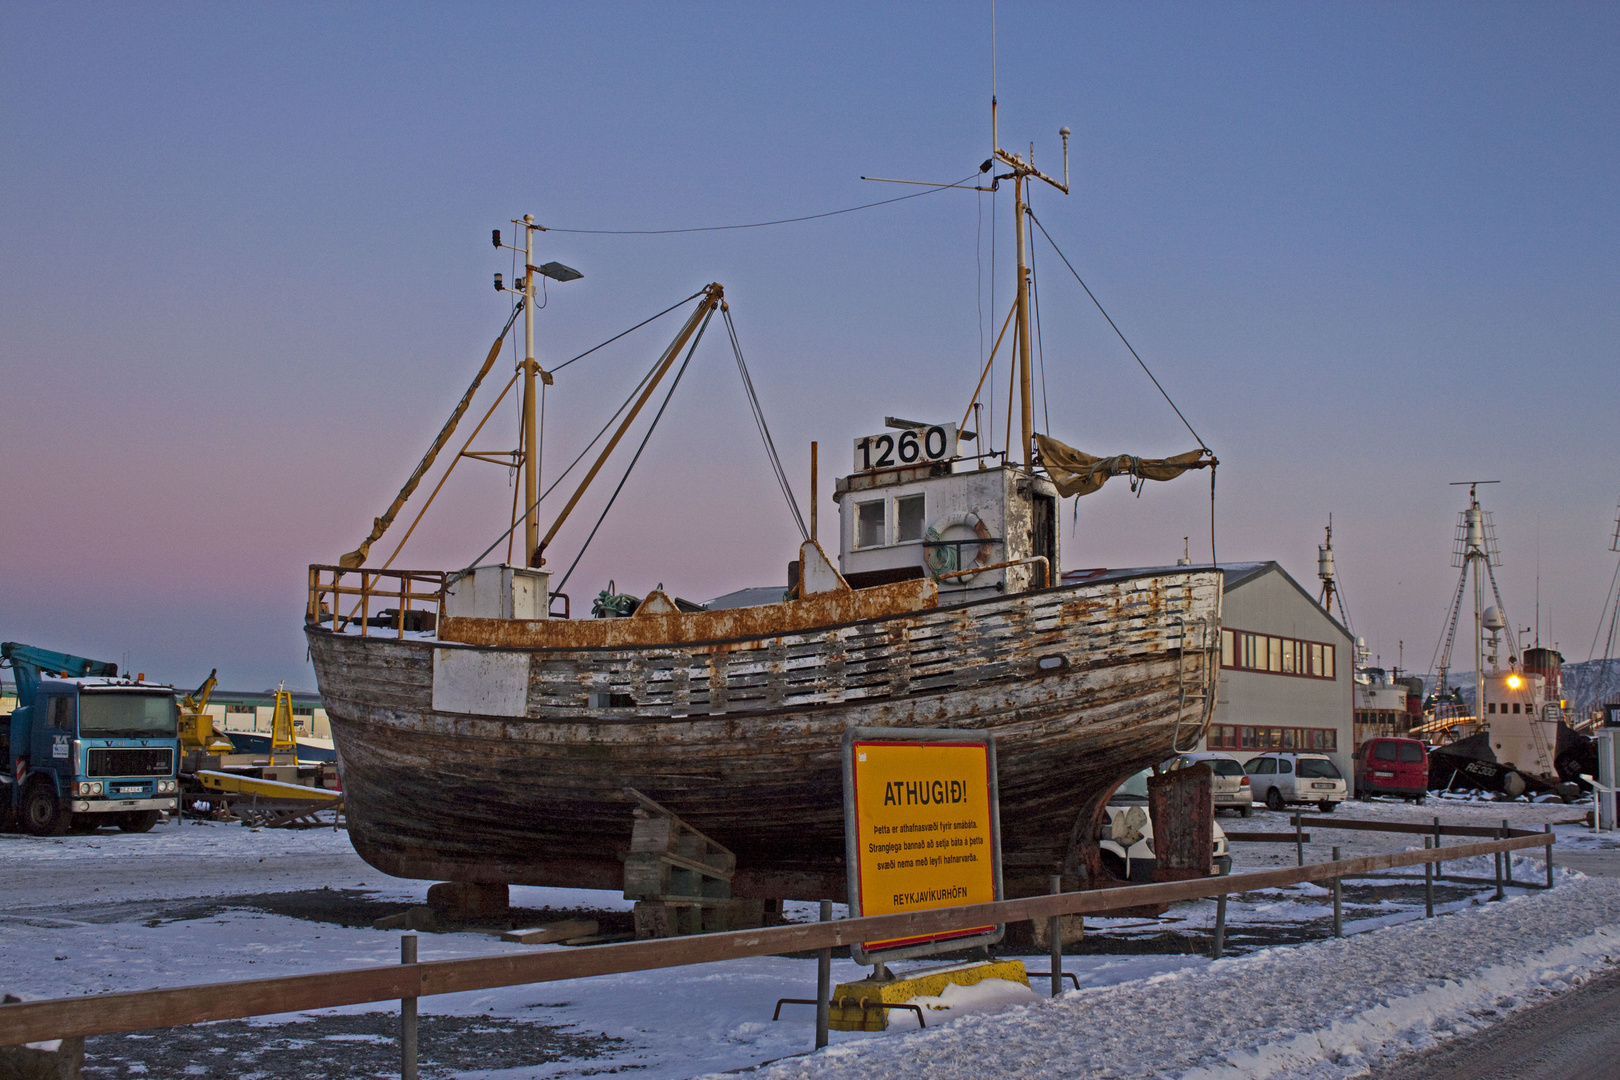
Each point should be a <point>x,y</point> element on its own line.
<point>245,273</point>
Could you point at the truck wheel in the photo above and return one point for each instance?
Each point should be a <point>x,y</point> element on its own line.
<point>1326,807</point>
<point>42,812</point>
<point>138,820</point>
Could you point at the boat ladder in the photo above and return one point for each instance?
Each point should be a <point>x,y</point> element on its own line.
<point>1194,683</point>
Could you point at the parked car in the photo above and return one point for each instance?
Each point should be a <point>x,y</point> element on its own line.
<point>1386,766</point>
<point>1284,777</point>
<point>1232,788</point>
<point>1127,840</point>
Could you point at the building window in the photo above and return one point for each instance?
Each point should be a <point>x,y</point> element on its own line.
<point>869,524</point>
<point>908,518</point>
<point>249,709</point>
<point>1277,655</point>
<point>1243,737</point>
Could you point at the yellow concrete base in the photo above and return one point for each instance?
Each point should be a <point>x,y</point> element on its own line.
<point>853,1003</point>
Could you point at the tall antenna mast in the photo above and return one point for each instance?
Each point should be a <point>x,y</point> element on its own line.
<point>1330,577</point>
<point>534,376</point>
<point>1473,551</point>
<point>1019,172</point>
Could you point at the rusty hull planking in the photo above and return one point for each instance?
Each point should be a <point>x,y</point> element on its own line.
<point>742,738</point>
<point>826,609</point>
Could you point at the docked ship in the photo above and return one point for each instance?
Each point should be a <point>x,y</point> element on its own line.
<point>488,733</point>
<point>1515,739</point>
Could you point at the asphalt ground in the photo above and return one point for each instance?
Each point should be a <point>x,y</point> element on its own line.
<point>1575,1036</point>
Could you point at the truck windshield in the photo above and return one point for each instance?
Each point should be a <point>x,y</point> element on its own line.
<point>126,715</point>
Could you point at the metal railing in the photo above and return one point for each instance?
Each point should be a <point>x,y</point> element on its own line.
<point>345,597</point>
<point>106,1014</point>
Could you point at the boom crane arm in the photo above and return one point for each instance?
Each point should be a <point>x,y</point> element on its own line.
<point>29,662</point>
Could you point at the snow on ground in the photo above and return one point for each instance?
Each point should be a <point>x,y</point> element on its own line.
<point>1328,1009</point>
<point>202,903</point>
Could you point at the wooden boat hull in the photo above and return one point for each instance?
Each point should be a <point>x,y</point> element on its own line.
<point>742,737</point>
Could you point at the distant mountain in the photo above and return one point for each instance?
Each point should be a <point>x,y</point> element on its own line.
<point>1587,683</point>
<point>1591,682</point>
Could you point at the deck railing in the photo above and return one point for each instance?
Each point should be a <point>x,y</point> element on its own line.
<point>353,599</point>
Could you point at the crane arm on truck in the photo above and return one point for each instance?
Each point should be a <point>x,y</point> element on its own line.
<point>30,663</point>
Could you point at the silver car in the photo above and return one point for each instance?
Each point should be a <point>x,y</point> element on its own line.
<point>1231,789</point>
<point>1283,777</point>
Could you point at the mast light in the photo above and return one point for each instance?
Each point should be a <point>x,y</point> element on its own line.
<point>556,271</point>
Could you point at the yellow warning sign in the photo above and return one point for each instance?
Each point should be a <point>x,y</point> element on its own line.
<point>923,828</point>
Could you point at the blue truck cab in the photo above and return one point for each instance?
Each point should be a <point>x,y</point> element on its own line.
<point>90,751</point>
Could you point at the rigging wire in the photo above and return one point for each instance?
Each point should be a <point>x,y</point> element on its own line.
<point>1040,344</point>
<point>1608,603</point>
<point>644,439</point>
<point>1214,560</point>
<point>632,330</point>
<point>978,267</point>
<point>512,529</point>
<point>1116,329</point>
<point>759,422</point>
<point>564,474</point>
<point>762,224</point>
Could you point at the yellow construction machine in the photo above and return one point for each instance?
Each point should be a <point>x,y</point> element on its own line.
<point>198,736</point>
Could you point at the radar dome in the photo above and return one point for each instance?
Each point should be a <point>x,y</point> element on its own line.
<point>1493,619</point>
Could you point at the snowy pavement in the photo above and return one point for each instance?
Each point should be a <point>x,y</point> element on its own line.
<point>202,903</point>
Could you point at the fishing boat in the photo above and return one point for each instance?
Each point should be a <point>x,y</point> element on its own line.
<point>1515,738</point>
<point>487,733</point>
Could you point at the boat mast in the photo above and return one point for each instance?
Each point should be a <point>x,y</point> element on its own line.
<point>1476,554</point>
<point>1021,171</point>
<point>531,456</point>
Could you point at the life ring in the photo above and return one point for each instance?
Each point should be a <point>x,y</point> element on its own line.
<point>947,558</point>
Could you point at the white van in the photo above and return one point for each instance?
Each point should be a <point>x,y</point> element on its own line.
<point>1127,835</point>
<point>1285,777</point>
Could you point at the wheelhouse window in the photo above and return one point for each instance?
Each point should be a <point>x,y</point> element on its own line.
<point>869,524</point>
<point>909,518</point>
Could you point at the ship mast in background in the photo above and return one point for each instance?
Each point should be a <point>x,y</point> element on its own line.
<point>1475,550</point>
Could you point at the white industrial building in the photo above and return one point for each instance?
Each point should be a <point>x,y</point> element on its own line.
<point>1287,670</point>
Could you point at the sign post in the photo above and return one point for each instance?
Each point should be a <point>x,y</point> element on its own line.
<point>922,829</point>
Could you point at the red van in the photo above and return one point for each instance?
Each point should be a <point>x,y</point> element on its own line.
<point>1393,767</point>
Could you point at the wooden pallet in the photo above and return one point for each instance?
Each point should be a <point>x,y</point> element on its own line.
<point>680,878</point>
